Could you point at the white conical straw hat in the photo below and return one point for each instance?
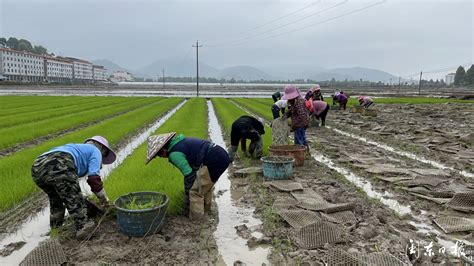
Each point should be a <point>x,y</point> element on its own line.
<point>156,143</point>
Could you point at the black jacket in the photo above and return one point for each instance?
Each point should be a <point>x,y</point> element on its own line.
<point>246,127</point>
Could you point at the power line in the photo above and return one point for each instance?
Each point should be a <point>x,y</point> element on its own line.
<point>324,21</point>
<point>281,26</point>
<point>287,15</point>
<point>315,24</point>
<point>447,68</point>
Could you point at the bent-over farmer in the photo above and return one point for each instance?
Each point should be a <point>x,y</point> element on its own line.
<point>279,106</point>
<point>200,161</point>
<point>365,101</point>
<point>320,111</point>
<point>57,173</point>
<point>247,127</point>
<point>342,99</point>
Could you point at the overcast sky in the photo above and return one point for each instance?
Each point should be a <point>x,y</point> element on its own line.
<point>400,37</point>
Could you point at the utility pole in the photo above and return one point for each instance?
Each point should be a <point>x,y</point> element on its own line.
<point>163,78</point>
<point>197,67</point>
<point>419,85</point>
<point>399,83</point>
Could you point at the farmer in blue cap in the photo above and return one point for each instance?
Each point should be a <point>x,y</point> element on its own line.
<point>200,161</point>
<point>57,173</point>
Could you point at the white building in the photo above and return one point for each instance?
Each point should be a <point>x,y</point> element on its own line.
<point>99,73</point>
<point>121,76</point>
<point>82,70</point>
<point>58,69</point>
<point>21,65</point>
<point>450,78</point>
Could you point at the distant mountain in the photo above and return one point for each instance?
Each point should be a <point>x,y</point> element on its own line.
<point>356,73</point>
<point>322,74</point>
<point>246,73</point>
<point>178,67</point>
<point>186,67</point>
<point>110,66</point>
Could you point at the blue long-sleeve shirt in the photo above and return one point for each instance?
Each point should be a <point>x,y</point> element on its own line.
<point>87,158</point>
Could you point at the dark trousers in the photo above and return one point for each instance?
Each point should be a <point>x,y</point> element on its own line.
<point>217,161</point>
<point>368,105</point>
<point>323,116</point>
<point>343,104</point>
<point>300,136</point>
<point>276,111</point>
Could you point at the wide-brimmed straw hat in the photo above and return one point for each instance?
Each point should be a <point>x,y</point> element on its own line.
<point>156,143</point>
<point>291,92</point>
<point>111,156</point>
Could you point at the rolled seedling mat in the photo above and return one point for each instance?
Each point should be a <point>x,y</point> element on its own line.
<point>430,172</point>
<point>425,181</point>
<point>325,206</point>
<point>436,200</point>
<point>244,172</point>
<point>286,185</point>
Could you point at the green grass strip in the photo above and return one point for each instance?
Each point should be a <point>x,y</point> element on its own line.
<point>49,113</point>
<point>15,170</point>
<point>227,112</point>
<point>159,175</point>
<point>25,132</point>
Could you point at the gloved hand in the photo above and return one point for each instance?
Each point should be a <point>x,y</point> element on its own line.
<point>103,199</point>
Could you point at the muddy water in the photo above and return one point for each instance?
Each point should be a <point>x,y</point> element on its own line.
<point>403,153</point>
<point>36,229</point>
<point>232,247</point>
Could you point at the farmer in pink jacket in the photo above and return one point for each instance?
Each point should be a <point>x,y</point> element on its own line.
<point>320,110</point>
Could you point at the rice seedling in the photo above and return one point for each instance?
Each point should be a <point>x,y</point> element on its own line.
<point>22,118</point>
<point>33,106</point>
<point>135,204</point>
<point>15,170</point>
<point>25,132</point>
<point>159,175</point>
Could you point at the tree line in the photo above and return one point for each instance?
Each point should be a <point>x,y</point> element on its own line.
<point>23,45</point>
<point>463,77</point>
